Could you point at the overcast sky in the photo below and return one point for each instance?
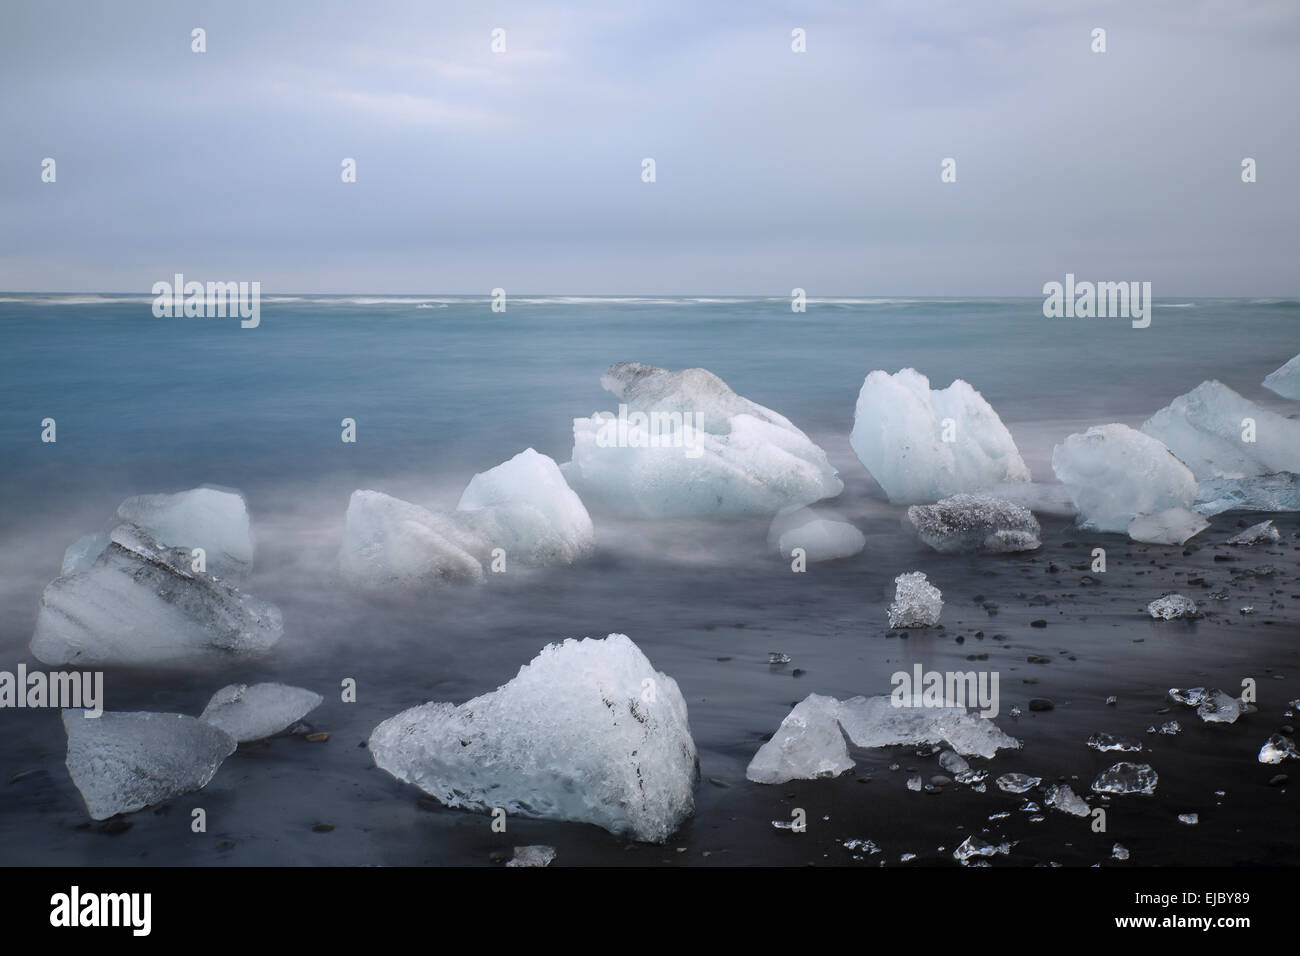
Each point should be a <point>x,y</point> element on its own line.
<point>774,169</point>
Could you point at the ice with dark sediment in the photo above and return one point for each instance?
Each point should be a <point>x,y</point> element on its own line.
<point>122,762</point>
<point>820,536</point>
<point>588,731</point>
<point>1126,778</point>
<point>142,603</point>
<point>686,445</point>
<point>1262,533</point>
<point>256,711</point>
<point>1285,381</point>
<point>1280,492</point>
<point>1114,473</point>
<point>917,602</point>
<point>214,519</point>
<point>1171,526</point>
<point>922,444</point>
<point>1171,607</point>
<point>1205,429</point>
<point>975,522</point>
<point>522,511</point>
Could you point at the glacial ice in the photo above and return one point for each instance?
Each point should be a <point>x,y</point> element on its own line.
<point>917,603</point>
<point>208,518</point>
<point>731,456</point>
<point>1059,796</point>
<point>1285,381</point>
<point>1114,473</point>
<point>522,506</point>
<point>899,428</point>
<point>808,745</point>
<point>1278,748</point>
<point>1280,492</point>
<point>256,711</point>
<point>537,855</point>
<point>974,846</point>
<point>588,731</point>
<point>1171,526</point>
<point>1171,606</point>
<point>820,537</point>
<point>122,762</point>
<point>1219,708</point>
<point>1126,778</point>
<point>1017,782</point>
<point>878,722</point>
<point>975,522</point>
<point>1264,532</point>
<point>1204,428</point>
<point>1107,742</point>
<point>140,603</point>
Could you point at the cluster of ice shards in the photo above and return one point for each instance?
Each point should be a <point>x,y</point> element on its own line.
<point>523,507</point>
<point>810,742</point>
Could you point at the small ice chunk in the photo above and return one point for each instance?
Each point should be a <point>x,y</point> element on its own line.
<point>1219,708</point>
<point>1119,852</point>
<point>1106,743</point>
<point>1204,429</point>
<point>141,603</point>
<point>1189,818</point>
<point>537,855</point>
<point>953,762</point>
<point>122,762</point>
<point>213,519</point>
<point>917,603</point>
<point>1278,748</point>
<point>974,846</point>
<point>1285,381</point>
<point>1172,606</point>
<point>1257,533</point>
<point>1061,797</point>
<point>821,538</point>
<point>1017,782</point>
<point>1171,728</point>
<point>686,445</point>
<point>923,444</point>
<point>1126,778</point>
<point>975,522</point>
<point>808,745</point>
<point>588,731</point>
<point>254,712</point>
<point>1192,696</point>
<point>914,783</point>
<point>1114,473</point>
<point>1279,492</point>
<point>1171,526</point>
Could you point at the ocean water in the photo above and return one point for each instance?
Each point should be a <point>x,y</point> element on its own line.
<point>442,387</point>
